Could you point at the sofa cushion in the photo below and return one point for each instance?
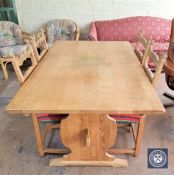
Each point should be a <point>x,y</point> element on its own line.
<point>126,29</point>
<point>11,51</point>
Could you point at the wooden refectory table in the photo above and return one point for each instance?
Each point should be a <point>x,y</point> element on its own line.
<point>88,80</point>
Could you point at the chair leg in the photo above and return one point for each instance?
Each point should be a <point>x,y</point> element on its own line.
<point>18,71</point>
<point>33,59</point>
<point>139,135</point>
<point>38,135</point>
<point>36,54</point>
<point>4,70</point>
<point>52,135</point>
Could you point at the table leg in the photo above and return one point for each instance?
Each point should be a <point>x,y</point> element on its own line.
<point>139,135</point>
<point>38,135</point>
<point>88,137</point>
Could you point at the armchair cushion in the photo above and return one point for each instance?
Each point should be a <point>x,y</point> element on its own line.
<point>13,30</point>
<point>60,30</point>
<point>11,51</point>
<point>6,39</point>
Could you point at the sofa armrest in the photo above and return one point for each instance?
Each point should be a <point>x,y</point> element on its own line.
<point>93,32</point>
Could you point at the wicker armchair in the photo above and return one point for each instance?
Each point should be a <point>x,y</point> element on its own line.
<point>15,48</point>
<point>61,30</point>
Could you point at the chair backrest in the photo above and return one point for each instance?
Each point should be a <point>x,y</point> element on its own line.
<point>158,61</point>
<point>61,30</point>
<point>10,34</point>
<point>142,47</point>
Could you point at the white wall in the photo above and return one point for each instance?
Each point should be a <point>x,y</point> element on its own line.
<point>33,14</point>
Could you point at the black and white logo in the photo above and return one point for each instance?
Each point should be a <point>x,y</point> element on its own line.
<point>158,158</point>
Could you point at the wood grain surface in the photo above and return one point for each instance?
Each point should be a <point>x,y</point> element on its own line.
<point>83,76</point>
<point>88,137</point>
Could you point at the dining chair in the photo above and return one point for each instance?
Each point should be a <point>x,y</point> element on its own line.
<point>54,30</point>
<point>52,123</point>
<point>61,29</point>
<point>15,48</point>
<point>128,120</point>
<point>142,47</point>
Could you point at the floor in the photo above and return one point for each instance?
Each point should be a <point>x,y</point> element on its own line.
<point>18,153</point>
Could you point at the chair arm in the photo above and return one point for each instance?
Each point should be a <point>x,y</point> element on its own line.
<point>39,34</point>
<point>27,35</point>
<point>28,38</point>
<point>93,32</point>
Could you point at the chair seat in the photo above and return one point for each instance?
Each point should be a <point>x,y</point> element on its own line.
<point>51,118</point>
<point>11,51</point>
<point>126,118</point>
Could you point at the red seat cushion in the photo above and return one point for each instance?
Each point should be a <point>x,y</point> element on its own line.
<point>126,118</point>
<point>51,118</point>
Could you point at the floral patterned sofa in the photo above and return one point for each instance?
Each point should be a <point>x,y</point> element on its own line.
<point>126,29</point>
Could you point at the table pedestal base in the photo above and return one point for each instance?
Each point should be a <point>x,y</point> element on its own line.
<point>88,137</point>
<point>120,163</point>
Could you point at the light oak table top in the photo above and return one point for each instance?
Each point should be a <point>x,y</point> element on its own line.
<point>88,77</point>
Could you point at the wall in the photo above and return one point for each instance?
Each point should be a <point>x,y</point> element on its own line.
<point>33,14</point>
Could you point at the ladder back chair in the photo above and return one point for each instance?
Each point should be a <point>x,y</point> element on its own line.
<point>52,122</point>
<point>54,30</point>
<point>128,120</point>
<point>158,61</point>
<point>142,47</point>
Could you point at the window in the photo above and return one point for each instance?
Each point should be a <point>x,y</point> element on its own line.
<point>8,11</point>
